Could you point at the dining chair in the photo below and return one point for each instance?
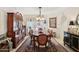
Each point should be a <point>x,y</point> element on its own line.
<point>42,41</point>
<point>50,34</point>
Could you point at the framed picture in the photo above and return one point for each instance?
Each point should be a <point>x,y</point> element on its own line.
<point>52,22</point>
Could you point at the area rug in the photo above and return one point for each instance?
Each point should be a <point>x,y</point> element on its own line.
<point>54,47</point>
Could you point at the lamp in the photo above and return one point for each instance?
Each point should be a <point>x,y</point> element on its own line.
<point>71,23</point>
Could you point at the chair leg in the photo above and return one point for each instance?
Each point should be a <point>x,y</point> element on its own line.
<point>38,48</point>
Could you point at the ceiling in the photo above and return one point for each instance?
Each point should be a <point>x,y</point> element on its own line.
<point>32,10</point>
<point>35,10</point>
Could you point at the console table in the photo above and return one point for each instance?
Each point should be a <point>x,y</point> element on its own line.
<point>72,40</point>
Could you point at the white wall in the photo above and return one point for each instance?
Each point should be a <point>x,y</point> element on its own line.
<point>63,21</point>
<point>63,18</point>
<point>3,22</point>
<point>64,15</point>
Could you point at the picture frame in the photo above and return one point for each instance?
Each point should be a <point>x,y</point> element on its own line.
<point>53,22</point>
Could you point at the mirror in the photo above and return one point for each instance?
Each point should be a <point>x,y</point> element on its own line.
<point>77,20</point>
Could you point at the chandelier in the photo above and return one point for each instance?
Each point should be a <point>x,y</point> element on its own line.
<point>40,16</point>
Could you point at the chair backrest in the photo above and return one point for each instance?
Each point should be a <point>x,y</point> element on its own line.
<point>42,39</point>
<point>50,33</point>
<point>31,32</point>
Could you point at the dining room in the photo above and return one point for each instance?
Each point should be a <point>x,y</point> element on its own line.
<point>38,29</point>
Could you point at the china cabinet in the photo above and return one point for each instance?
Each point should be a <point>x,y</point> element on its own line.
<point>15,27</point>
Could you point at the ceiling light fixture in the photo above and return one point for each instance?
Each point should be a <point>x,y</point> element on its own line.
<point>40,16</point>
